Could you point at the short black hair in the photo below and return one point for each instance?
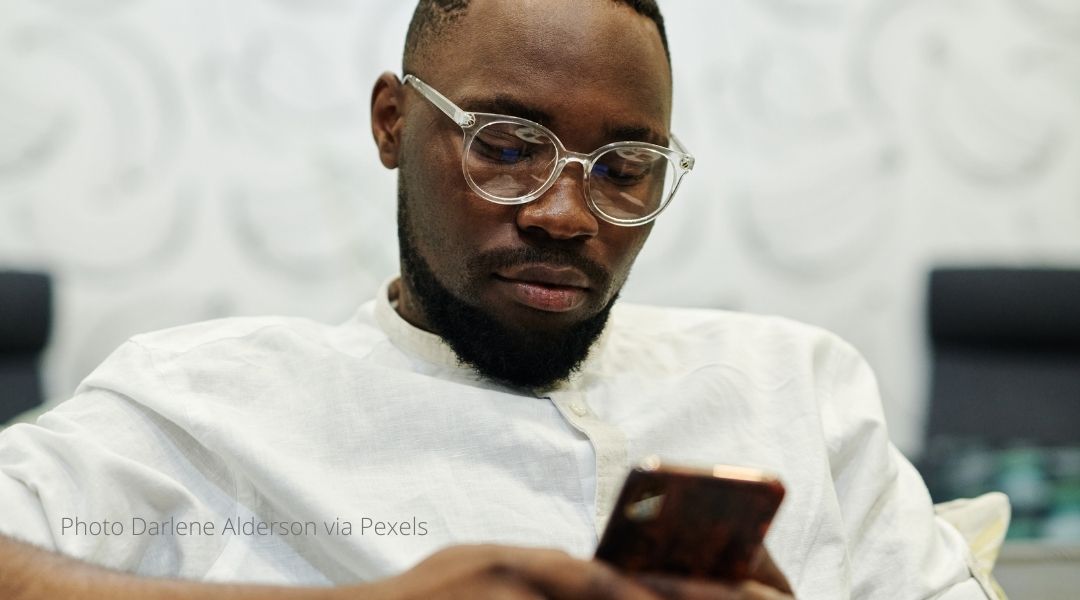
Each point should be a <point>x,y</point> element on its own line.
<point>433,17</point>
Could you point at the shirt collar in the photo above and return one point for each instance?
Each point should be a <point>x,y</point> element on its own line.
<point>407,336</point>
<point>431,348</point>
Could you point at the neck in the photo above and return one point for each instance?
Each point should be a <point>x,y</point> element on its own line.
<point>404,302</point>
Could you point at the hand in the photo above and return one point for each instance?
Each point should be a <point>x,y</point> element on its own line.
<point>505,573</point>
<point>766,582</point>
<point>765,571</point>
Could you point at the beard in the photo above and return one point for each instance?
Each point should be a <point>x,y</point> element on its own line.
<point>517,356</point>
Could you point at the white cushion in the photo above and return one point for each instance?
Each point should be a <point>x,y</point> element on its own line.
<point>983,521</point>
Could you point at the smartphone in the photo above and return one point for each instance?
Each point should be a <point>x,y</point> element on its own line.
<point>689,522</point>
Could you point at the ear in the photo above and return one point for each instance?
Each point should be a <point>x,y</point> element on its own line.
<point>388,118</point>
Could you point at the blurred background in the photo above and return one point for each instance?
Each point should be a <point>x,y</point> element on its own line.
<point>166,162</point>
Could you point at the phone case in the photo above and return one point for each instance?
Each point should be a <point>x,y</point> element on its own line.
<point>690,522</point>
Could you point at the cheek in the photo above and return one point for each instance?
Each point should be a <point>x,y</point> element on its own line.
<point>626,244</point>
<point>433,181</point>
<point>445,220</point>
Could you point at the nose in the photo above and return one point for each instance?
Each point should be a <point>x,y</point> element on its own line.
<point>561,213</point>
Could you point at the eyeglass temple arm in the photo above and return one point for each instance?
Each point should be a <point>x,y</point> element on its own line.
<point>461,117</point>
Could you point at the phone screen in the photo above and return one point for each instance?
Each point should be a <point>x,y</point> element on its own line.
<point>690,522</point>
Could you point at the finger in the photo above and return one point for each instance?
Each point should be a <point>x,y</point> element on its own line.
<point>766,571</point>
<point>459,573</point>
<point>447,570</point>
<point>671,588</point>
<point>502,587</point>
<point>755,590</point>
<point>561,577</point>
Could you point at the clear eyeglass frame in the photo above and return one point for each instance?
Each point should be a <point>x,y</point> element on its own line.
<point>473,122</point>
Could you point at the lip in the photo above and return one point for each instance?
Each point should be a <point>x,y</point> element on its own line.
<point>545,287</point>
<point>546,275</point>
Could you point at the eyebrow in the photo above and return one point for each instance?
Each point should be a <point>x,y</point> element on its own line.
<point>508,105</point>
<point>635,134</point>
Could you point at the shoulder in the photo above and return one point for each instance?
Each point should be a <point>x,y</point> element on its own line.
<point>762,350</point>
<point>231,330</point>
<point>223,350</point>
<point>721,330</point>
<point>251,333</point>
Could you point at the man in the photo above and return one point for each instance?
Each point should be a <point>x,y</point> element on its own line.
<point>493,395</point>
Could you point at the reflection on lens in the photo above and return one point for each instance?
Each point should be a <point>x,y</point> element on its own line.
<point>531,135</point>
<point>509,161</point>
<point>631,183</point>
<point>503,185</point>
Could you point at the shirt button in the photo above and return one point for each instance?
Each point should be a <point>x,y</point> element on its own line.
<point>579,409</point>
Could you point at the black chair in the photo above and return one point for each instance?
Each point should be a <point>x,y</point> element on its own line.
<point>25,321</point>
<point>1006,355</point>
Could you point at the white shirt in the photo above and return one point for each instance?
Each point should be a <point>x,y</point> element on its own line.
<point>287,423</point>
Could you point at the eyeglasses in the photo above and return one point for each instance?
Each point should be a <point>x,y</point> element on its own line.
<point>510,160</point>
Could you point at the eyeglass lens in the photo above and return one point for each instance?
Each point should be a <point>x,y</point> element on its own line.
<point>511,160</point>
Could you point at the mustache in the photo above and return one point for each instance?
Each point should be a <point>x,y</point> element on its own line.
<point>502,258</point>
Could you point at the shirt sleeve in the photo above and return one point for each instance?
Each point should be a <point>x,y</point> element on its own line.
<point>897,547</point>
<point>22,517</point>
<point>102,459</point>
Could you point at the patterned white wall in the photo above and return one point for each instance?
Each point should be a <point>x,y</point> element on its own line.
<point>175,161</point>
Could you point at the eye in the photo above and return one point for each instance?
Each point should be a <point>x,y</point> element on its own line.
<point>499,147</point>
<point>512,143</point>
<point>622,172</point>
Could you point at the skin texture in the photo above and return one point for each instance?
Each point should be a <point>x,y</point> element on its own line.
<point>536,358</point>
<point>459,573</point>
<point>592,68</point>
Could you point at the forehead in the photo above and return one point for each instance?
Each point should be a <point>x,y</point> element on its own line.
<point>594,58</point>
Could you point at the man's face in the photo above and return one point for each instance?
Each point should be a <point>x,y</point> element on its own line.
<point>543,273</point>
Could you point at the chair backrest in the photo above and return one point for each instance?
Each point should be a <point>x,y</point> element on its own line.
<point>1006,355</point>
<point>25,322</point>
